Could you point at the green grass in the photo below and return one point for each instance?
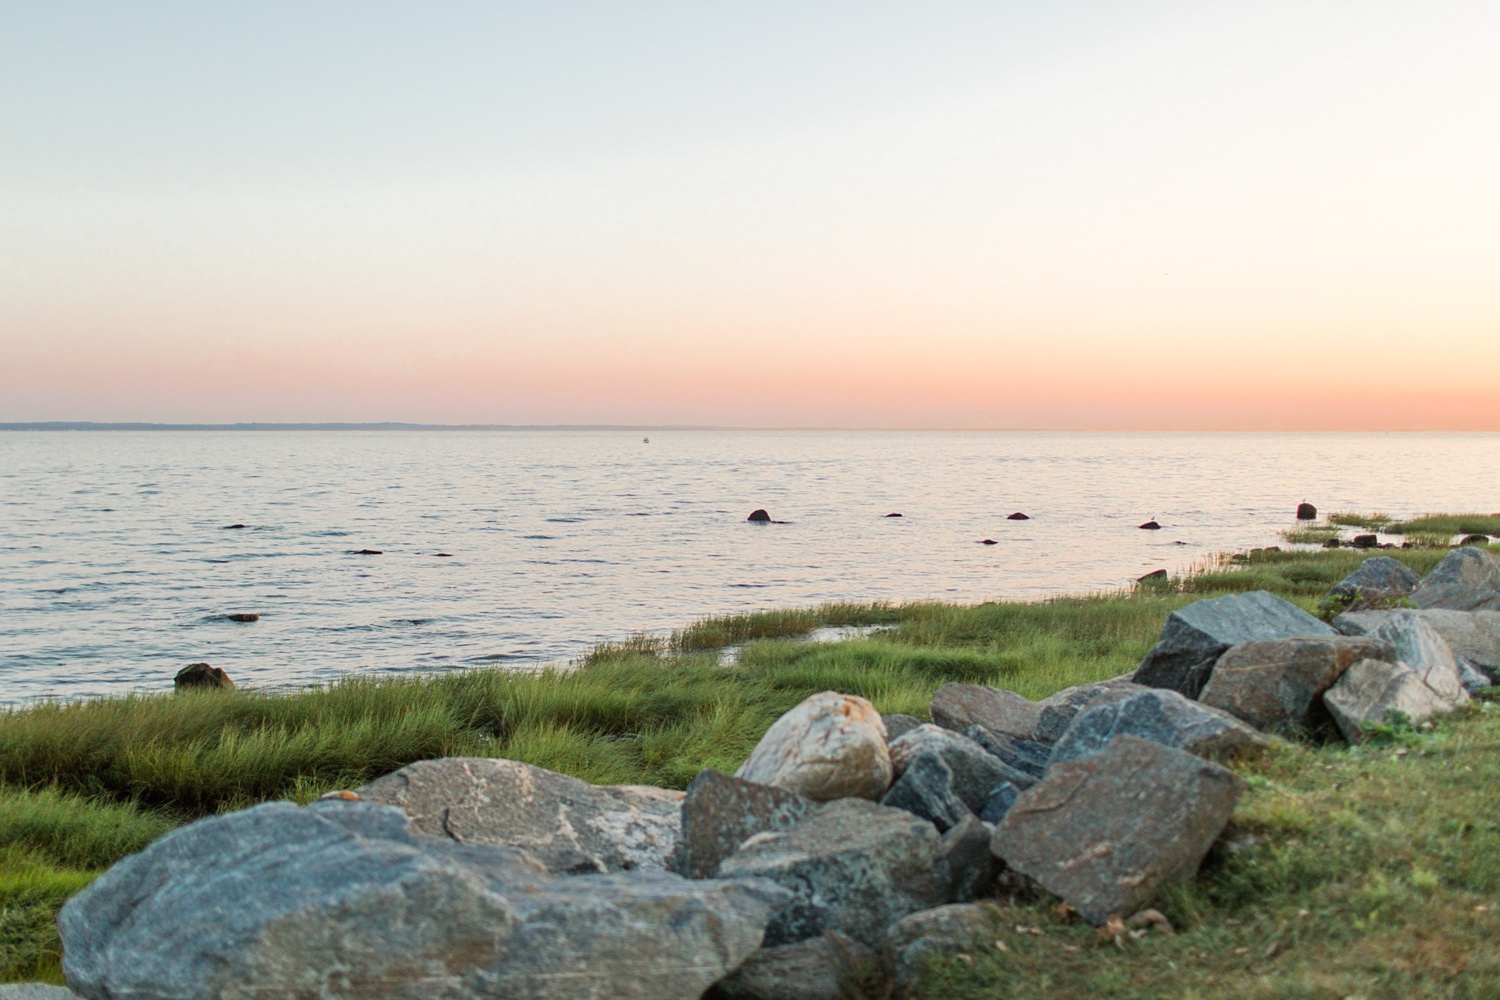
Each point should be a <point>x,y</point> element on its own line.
<point>1369,522</point>
<point>1313,535</point>
<point>1448,525</point>
<point>81,784</point>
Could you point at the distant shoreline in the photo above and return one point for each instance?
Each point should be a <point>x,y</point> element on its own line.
<point>88,425</point>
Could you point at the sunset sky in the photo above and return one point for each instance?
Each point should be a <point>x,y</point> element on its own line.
<point>1250,215</point>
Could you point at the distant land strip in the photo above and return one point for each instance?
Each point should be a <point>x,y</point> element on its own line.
<point>89,425</point>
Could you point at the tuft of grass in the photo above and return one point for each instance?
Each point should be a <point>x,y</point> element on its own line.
<point>1370,522</point>
<point>728,630</point>
<point>1313,535</point>
<point>1445,526</point>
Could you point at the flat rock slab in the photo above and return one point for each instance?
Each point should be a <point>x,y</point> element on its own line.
<point>1277,685</point>
<point>1059,710</point>
<point>819,968</point>
<point>853,867</point>
<point>1106,832</point>
<point>976,771</point>
<point>1371,690</point>
<point>719,813</point>
<point>1378,579</point>
<point>831,746</point>
<point>567,824</point>
<point>1474,635</point>
<point>1196,636</point>
<point>342,900</point>
<point>1162,716</point>
<point>959,706</point>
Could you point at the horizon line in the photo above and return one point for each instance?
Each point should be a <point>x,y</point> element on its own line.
<point>396,425</point>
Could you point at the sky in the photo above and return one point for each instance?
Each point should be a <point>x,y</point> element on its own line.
<point>1146,215</point>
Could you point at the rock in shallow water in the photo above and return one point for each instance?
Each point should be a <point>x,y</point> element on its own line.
<point>201,676</point>
<point>1196,636</point>
<point>831,746</point>
<point>1106,832</point>
<point>342,900</point>
<point>566,824</point>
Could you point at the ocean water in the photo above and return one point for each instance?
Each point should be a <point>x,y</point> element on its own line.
<point>118,565</point>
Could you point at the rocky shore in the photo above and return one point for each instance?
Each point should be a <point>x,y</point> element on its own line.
<point>849,848</point>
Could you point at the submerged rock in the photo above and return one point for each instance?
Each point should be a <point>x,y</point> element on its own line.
<point>1150,526</point>
<point>853,867</point>
<point>759,515</point>
<point>1106,832</point>
<point>341,899</point>
<point>566,824</point>
<point>1018,516</point>
<point>831,746</point>
<point>201,675</point>
<point>1154,577</point>
<point>1196,636</point>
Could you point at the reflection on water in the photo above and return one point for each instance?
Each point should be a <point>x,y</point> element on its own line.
<point>121,553</point>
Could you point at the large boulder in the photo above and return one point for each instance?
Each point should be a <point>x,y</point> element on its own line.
<point>1196,636</point>
<point>819,968</point>
<point>925,789</point>
<point>1375,691</point>
<point>1162,716</point>
<point>566,824</point>
<point>1456,597</point>
<point>831,746</point>
<point>853,867</point>
<point>959,706</point>
<point>1417,643</point>
<point>1379,579</point>
<point>916,941</point>
<point>1059,709</point>
<point>1277,685</point>
<point>1106,832</point>
<point>1474,635</point>
<point>976,771</point>
<point>719,813</point>
<point>342,899</point>
<point>1465,566</point>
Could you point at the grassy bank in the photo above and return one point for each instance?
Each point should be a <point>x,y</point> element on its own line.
<point>85,783</point>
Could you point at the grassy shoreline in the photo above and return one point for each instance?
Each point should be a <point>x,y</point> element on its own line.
<point>82,784</point>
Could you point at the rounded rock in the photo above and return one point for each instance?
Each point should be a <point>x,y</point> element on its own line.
<point>831,746</point>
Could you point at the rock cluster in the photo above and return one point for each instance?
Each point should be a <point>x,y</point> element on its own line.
<point>848,847</point>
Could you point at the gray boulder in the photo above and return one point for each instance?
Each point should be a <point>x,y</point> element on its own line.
<point>1474,635</point>
<point>1377,580</point>
<point>1196,636</point>
<point>35,991</point>
<point>976,772</point>
<point>1456,597</point>
<point>1465,566</point>
<point>1277,685</point>
<point>566,824</point>
<point>916,941</point>
<point>999,803</point>
<point>925,789</point>
<point>971,867</point>
<point>1027,756</point>
<point>1059,710</point>
<point>959,706</point>
<point>341,899</point>
<point>853,867</point>
<point>1371,691</point>
<point>898,725</point>
<point>820,968</point>
<point>1472,678</point>
<point>1419,645</point>
<point>719,813</point>
<point>1106,832</point>
<point>1164,717</point>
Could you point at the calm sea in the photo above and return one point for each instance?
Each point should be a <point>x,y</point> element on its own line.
<point>118,565</point>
